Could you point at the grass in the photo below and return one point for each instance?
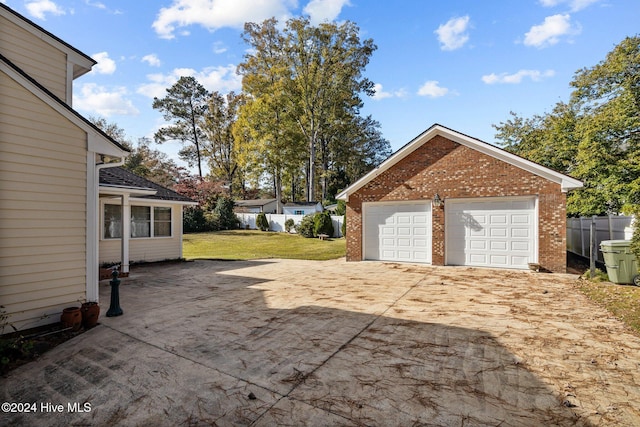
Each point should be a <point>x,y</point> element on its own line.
<point>253,244</point>
<point>623,301</point>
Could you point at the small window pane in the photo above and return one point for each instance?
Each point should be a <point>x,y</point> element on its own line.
<point>112,221</point>
<point>161,222</point>
<point>140,221</point>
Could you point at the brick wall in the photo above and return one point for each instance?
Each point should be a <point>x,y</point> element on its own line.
<point>456,171</point>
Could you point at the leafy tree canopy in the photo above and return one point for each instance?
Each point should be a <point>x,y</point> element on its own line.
<point>595,137</point>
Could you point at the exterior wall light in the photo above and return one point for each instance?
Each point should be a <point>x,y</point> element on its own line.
<point>437,201</point>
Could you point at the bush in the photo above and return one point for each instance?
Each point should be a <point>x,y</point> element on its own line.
<point>194,220</point>
<point>305,228</point>
<point>261,222</point>
<point>223,216</point>
<point>344,226</point>
<point>288,225</point>
<point>341,209</point>
<point>635,237</point>
<point>322,224</point>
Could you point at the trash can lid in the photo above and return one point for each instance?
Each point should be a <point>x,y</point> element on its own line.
<point>617,243</point>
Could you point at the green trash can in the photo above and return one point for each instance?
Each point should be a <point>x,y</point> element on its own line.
<point>622,265</point>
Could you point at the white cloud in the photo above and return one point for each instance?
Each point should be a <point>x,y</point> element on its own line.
<point>39,8</point>
<point>152,59</point>
<point>549,32</point>
<point>516,78</point>
<point>214,14</point>
<point>324,10</point>
<point>218,48</point>
<point>574,5</point>
<point>453,34</point>
<point>381,94</point>
<point>99,100</point>
<point>222,79</point>
<point>432,89</point>
<point>105,64</point>
<point>96,4</point>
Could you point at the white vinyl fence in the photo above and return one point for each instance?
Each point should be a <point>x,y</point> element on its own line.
<point>276,222</point>
<point>612,227</point>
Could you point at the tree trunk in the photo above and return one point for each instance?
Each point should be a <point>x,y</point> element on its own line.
<point>312,171</point>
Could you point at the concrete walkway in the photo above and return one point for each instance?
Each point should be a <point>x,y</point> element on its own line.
<point>293,343</point>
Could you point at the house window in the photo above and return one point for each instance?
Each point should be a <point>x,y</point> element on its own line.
<point>161,222</point>
<point>140,221</point>
<point>298,212</point>
<point>145,221</point>
<point>112,221</point>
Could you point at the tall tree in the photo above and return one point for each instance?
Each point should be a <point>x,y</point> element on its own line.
<point>315,75</point>
<point>595,137</point>
<point>184,107</point>
<point>218,126</point>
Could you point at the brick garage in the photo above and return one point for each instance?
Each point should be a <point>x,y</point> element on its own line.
<point>498,210</point>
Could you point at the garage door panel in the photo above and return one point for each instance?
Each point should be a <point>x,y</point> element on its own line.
<point>493,233</point>
<point>397,232</point>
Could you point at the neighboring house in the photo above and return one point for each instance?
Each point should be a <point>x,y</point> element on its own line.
<point>301,208</point>
<point>449,199</point>
<point>50,162</point>
<point>154,232</point>
<point>256,206</point>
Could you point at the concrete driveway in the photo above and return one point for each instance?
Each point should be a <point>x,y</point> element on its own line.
<point>281,342</point>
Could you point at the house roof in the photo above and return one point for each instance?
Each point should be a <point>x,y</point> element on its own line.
<point>566,182</point>
<point>293,204</point>
<point>82,63</point>
<point>28,82</point>
<point>121,178</point>
<point>254,202</point>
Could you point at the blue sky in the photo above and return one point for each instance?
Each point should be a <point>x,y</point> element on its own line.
<point>461,63</point>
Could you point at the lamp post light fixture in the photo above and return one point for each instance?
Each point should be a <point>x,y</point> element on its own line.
<point>437,201</point>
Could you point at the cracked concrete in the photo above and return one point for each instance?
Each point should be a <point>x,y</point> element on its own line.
<point>283,342</point>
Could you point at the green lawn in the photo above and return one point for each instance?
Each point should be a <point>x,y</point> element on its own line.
<point>252,244</point>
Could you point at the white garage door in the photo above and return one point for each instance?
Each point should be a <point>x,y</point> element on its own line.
<point>494,232</point>
<point>397,232</point>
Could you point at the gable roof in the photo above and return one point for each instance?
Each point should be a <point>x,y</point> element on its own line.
<point>253,202</point>
<point>120,178</point>
<point>566,182</point>
<point>82,63</point>
<point>98,141</point>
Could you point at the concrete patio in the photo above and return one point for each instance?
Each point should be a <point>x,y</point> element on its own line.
<point>283,342</point>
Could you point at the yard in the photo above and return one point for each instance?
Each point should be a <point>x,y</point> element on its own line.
<point>253,244</point>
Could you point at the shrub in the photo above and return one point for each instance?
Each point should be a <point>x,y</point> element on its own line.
<point>288,225</point>
<point>305,228</point>
<point>223,216</point>
<point>341,209</point>
<point>635,237</point>
<point>261,222</point>
<point>344,226</point>
<point>322,224</point>
<point>194,220</point>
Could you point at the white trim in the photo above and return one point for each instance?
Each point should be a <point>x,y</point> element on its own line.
<point>567,183</point>
<point>536,222</point>
<point>83,63</point>
<point>93,230</point>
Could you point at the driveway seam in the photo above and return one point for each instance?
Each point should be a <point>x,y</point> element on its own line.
<point>342,347</point>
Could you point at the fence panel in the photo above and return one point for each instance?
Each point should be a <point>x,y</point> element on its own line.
<point>612,227</point>
<point>276,222</point>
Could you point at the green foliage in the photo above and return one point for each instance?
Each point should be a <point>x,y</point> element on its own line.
<point>194,220</point>
<point>595,137</point>
<point>223,216</point>
<point>185,107</point>
<point>261,222</point>
<point>289,224</point>
<point>322,223</point>
<point>635,237</point>
<point>305,84</point>
<point>344,225</point>
<point>341,209</point>
<point>306,226</point>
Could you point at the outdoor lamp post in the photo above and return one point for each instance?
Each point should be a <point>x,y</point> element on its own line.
<point>114,307</point>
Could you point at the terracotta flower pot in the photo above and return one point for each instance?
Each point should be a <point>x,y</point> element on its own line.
<point>90,313</point>
<point>71,318</point>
